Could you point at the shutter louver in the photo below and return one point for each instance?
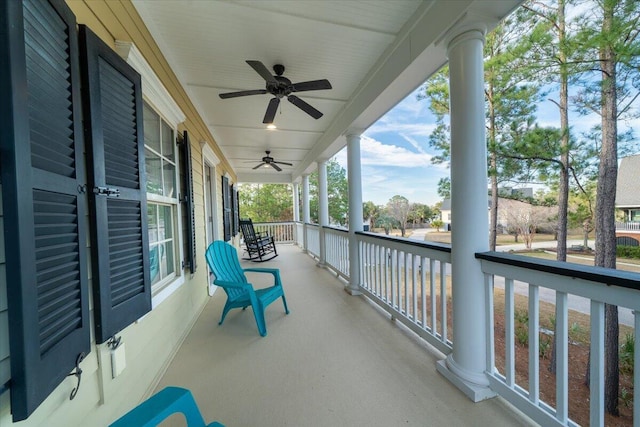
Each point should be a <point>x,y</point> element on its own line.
<point>186,174</point>
<point>113,104</point>
<point>43,198</point>
<point>226,208</point>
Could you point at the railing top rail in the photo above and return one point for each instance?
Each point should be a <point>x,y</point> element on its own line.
<point>607,276</point>
<point>341,230</point>
<point>272,222</point>
<point>442,247</point>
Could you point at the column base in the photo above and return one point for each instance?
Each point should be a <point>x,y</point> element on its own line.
<point>352,291</point>
<point>321,264</point>
<point>474,391</point>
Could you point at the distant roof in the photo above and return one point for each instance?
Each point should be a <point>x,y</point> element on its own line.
<point>446,205</point>
<point>628,186</point>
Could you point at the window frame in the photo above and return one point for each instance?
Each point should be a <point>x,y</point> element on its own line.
<point>157,201</point>
<point>157,97</point>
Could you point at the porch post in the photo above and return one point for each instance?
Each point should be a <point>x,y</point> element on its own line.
<point>296,202</point>
<point>323,208</point>
<point>306,213</point>
<point>355,211</point>
<point>465,366</point>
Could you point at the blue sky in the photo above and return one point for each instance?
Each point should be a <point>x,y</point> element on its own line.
<point>396,157</point>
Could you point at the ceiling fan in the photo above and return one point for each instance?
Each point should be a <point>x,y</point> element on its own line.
<point>270,161</point>
<point>280,86</point>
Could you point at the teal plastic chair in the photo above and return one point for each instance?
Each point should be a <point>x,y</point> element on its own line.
<point>223,262</point>
<point>160,406</point>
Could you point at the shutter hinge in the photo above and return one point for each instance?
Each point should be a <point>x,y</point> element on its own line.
<point>77,374</point>
<point>106,191</point>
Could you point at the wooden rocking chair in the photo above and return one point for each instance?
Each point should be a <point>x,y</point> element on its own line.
<point>259,247</point>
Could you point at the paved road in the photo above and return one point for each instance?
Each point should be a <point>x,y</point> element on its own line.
<point>576,303</point>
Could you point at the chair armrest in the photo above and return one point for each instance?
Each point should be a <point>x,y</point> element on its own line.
<point>224,284</point>
<point>261,270</point>
<point>274,271</point>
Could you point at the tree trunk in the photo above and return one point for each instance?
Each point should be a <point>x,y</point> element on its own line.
<point>563,185</point>
<point>493,173</point>
<point>605,204</point>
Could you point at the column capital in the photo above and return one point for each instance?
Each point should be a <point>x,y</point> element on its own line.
<point>471,32</point>
<point>352,133</point>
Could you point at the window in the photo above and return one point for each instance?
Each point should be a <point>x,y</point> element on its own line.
<point>162,196</point>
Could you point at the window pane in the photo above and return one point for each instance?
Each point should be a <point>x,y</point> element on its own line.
<point>168,147</point>
<point>169,171</point>
<point>151,128</point>
<point>153,167</point>
<point>167,266</point>
<point>154,262</point>
<point>166,222</point>
<point>152,218</point>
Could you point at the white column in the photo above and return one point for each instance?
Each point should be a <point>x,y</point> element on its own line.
<point>306,212</point>
<point>355,210</point>
<point>296,202</point>
<point>323,208</point>
<point>470,232</point>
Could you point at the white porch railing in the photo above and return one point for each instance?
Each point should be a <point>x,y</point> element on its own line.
<point>282,232</point>
<point>337,250</point>
<point>628,226</point>
<point>411,281</point>
<point>599,285</point>
<point>299,236</point>
<point>313,239</point>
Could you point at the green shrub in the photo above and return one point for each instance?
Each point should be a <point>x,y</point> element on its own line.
<point>628,251</point>
<point>626,354</point>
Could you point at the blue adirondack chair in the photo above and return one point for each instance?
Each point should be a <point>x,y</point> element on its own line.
<point>223,262</point>
<point>166,402</point>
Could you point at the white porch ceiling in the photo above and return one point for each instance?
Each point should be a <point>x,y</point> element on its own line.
<point>374,53</point>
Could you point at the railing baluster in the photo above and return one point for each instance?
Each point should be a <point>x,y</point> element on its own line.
<point>534,344</point>
<point>407,257</point>
<point>414,276</point>
<point>398,283</point>
<point>432,280</point>
<point>423,291</point>
<point>488,295</point>
<point>596,385</point>
<point>562,357</point>
<point>443,299</point>
<point>509,331</point>
<point>393,278</point>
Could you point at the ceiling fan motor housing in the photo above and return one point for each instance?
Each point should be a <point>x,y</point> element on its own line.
<point>282,88</point>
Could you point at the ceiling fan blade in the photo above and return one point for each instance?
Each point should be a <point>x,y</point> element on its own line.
<point>276,167</point>
<point>243,93</point>
<point>304,106</point>
<point>259,166</point>
<point>312,85</point>
<point>263,71</point>
<point>272,109</point>
<point>284,163</point>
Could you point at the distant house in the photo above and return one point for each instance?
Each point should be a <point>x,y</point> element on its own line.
<point>445,213</point>
<point>628,200</point>
<point>508,212</point>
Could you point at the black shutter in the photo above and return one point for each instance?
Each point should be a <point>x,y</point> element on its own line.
<point>43,198</point>
<point>236,212</point>
<point>112,100</point>
<point>188,215</point>
<point>226,208</point>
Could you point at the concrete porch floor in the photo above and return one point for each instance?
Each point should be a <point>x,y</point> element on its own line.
<point>335,360</point>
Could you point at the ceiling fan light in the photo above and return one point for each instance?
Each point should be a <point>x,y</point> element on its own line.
<point>271,126</point>
<point>266,165</point>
